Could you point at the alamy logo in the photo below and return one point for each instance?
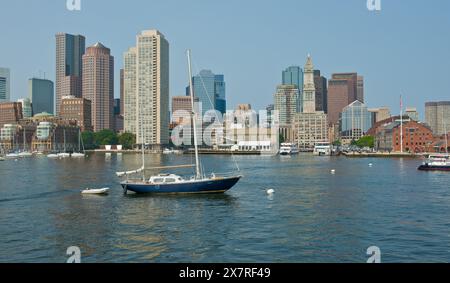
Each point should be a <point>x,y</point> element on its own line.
<point>73,5</point>
<point>374,5</point>
<point>375,254</point>
<point>74,254</point>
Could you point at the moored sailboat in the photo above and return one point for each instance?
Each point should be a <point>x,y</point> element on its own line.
<point>174,184</point>
<point>80,153</point>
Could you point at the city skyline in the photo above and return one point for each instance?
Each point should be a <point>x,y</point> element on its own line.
<point>366,56</point>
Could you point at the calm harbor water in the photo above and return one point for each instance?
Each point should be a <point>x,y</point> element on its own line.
<point>313,216</point>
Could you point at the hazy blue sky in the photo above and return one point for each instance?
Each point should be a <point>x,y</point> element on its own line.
<point>404,48</point>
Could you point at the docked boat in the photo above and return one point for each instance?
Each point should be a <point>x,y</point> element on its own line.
<point>102,191</point>
<point>168,151</point>
<point>288,149</point>
<point>52,156</point>
<point>12,155</point>
<point>25,154</point>
<point>2,158</point>
<point>64,154</point>
<point>175,184</point>
<point>80,153</point>
<point>323,149</point>
<point>436,162</point>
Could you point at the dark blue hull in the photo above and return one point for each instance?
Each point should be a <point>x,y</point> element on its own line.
<point>434,168</point>
<point>193,187</point>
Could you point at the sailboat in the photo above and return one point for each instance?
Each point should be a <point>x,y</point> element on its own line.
<point>25,153</point>
<point>80,153</point>
<point>174,184</point>
<point>64,154</point>
<point>12,155</point>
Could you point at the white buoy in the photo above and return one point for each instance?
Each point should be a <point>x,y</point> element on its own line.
<point>270,191</point>
<point>370,164</point>
<point>333,171</point>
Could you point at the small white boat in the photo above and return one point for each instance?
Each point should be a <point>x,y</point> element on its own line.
<point>102,191</point>
<point>168,151</point>
<point>2,158</point>
<point>64,155</point>
<point>12,155</point>
<point>25,154</point>
<point>78,155</point>
<point>54,156</point>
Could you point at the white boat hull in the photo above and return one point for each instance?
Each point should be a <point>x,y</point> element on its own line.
<point>95,191</point>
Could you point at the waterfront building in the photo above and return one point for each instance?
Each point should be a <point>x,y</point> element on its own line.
<point>412,113</point>
<point>10,113</point>
<point>41,94</point>
<point>320,83</point>
<point>355,121</point>
<point>417,137</point>
<point>293,75</point>
<point>309,127</point>
<point>98,85</point>
<point>379,114</point>
<point>27,111</point>
<point>43,132</point>
<point>5,83</point>
<point>146,89</point>
<point>342,90</point>
<point>69,53</point>
<point>437,116</point>
<point>79,110</point>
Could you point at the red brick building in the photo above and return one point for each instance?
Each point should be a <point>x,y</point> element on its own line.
<point>77,109</point>
<point>417,137</point>
<point>10,113</point>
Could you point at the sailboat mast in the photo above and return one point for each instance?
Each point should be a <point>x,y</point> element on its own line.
<point>446,134</point>
<point>24,137</point>
<point>194,117</point>
<point>79,140</point>
<point>143,149</point>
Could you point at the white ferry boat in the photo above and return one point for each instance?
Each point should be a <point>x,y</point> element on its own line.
<point>436,162</point>
<point>288,149</point>
<point>323,148</point>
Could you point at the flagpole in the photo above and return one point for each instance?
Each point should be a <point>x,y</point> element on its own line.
<point>401,124</point>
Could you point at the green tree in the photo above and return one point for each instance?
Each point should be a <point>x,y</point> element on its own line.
<point>127,140</point>
<point>367,141</point>
<point>337,143</point>
<point>106,137</point>
<point>88,140</point>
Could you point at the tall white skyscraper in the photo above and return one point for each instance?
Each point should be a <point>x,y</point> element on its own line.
<point>5,82</point>
<point>129,90</point>
<point>146,89</point>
